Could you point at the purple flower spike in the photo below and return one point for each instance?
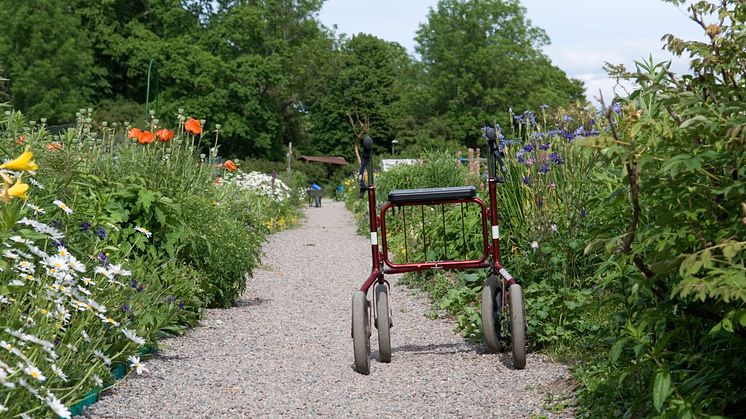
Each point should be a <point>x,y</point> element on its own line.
<point>101,232</point>
<point>526,180</point>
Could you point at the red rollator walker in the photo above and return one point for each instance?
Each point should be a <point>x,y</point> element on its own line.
<point>502,304</point>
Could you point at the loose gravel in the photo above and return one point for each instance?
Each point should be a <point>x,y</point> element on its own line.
<point>286,350</point>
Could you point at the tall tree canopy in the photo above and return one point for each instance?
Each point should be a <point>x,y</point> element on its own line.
<point>360,83</point>
<point>48,57</point>
<point>270,73</point>
<point>484,56</point>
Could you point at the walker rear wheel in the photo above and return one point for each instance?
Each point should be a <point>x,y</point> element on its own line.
<point>491,313</point>
<point>360,332</point>
<point>383,323</point>
<point>517,326</point>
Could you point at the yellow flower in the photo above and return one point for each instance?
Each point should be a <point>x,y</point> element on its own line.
<point>18,190</point>
<point>23,162</point>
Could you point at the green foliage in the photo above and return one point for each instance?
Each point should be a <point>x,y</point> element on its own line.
<point>483,55</point>
<point>675,244</point>
<point>112,250</point>
<point>221,246</point>
<point>271,74</point>
<point>362,83</point>
<point>435,169</point>
<point>48,58</point>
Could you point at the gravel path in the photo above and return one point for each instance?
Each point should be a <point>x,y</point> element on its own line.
<point>285,350</point>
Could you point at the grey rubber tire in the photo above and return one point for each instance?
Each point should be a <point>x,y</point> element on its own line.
<point>360,335</point>
<point>491,314</point>
<point>517,326</point>
<point>383,323</point>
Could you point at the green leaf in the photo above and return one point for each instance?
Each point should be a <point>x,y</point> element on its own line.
<point>697,120</point>
<point>616,350</point>
<point>661,389</point>
<point>727,325</point>
<point>145,198</point>
<point>742,319</point>
<point>160,216</point>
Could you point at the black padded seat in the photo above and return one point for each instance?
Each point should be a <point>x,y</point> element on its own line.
<point>431,195</point>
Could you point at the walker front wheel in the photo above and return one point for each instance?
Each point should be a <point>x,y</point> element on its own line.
<point>517,326</point>
<point>383,323</point>
<point>360,332</point>
<point>491,313</point>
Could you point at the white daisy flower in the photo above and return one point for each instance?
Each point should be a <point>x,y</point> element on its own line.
<point>96,306</point>
<point>34,373</point>
<point>57,407</point>
<point>57,262</point>
<point>19,239</point>
<point>534,245</point>
<point>117,270</point>
<point>3,408</point>
<point>9,254</point>
<point>58,371</point>
<point>553,227</point>
<point>35,183</point>
<point>100,355</point>
<point>135,363</point>
<point>75,264</point>
<point>131,335</point>
<point>16,283</point>
<point>4,379</point>
<point>103,271</point>
<point>25,266</point>
<point>85,336</point>
<point>144,231</point>
<point>98,381</point>
<point>41,228</point>
<point>29,388</point>
<point>37,209</point>
<point>108,320</point>
<point>63,206</point>
<point>88,281</point>
<point>4,299</point>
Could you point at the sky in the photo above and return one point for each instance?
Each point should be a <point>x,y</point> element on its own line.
<point>584,33</point>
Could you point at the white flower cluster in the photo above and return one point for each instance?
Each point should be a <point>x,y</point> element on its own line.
<point>48,285</point>
<point>262,184</point>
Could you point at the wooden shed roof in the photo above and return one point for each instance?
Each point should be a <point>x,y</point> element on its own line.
<point>325,159</point>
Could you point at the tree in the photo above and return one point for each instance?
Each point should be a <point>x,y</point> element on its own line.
<point>484,56</point>
<point>48,58</point>
<point>359,86</point>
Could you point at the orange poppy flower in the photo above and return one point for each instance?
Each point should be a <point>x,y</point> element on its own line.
<point>192,125</point>
<point>230,166</point>
<point>164,135</point>
<point>21,140</point>
<point>146,137</point>
<point>54,147</point>
<point>134,133</point>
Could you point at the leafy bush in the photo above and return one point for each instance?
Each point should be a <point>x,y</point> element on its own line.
<point>675,243</point>
<point>111,244</point>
